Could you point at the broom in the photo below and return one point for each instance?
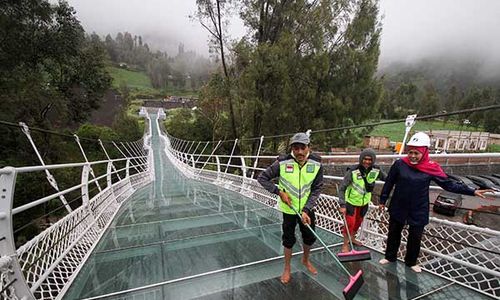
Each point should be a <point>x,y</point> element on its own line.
<point>352,255</point>
<point>355,282</point>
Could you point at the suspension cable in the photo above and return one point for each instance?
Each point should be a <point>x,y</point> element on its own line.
<point>10,124</point>
<point>426,117</point>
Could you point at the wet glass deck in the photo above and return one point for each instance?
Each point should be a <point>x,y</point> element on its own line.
<point>182,239</point>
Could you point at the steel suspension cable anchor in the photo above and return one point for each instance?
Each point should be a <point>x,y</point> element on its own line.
<point>109,159</point>
<point>231,156</point>
<point>201,153</point>
<point>77,139</point>
<point>189,149</point>
<point>133,157</point>
<point>128,159</point>
<point>142,147</point>
<point>52,181</point>
<point>140,161</point>
<point>196,148</point>
<point>132,154</point>
<point>138,152</point>
<point>210,156</point>
<point>258,153</point>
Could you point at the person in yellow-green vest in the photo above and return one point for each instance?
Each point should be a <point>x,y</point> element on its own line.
<point>299,185</point>
<point>355,193</point>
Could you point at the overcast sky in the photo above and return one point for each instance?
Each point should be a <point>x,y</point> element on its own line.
<point>412,29</point>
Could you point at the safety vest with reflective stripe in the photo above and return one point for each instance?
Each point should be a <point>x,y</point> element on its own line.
<point>296,182</point>
<point>356,193</point>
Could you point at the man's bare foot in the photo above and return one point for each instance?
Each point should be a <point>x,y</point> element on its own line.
<point>309,267</point>
<point>344,249</point>
<point>285,277</point>
<point>357,243</point>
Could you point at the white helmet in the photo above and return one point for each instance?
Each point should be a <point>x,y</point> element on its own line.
<point>419,139</point>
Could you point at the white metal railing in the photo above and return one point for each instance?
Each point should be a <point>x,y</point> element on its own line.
<point>44,266</point>
<point>467,255</point>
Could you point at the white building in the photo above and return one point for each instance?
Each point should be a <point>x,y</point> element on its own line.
<point>457,141</point>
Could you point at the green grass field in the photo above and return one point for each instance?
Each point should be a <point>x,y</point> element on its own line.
<point>133,79</point>
<point>396,131</point>
<point>493,148</point>
<point>141,86</point>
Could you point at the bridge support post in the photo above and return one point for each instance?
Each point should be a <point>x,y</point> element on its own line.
<point>77,139</point>
<point>12,282</point>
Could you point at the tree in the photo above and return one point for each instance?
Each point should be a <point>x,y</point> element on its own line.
<point>211,14</point>
<point>49,70</point>
<point>430,102</point>
<point>308,64</point>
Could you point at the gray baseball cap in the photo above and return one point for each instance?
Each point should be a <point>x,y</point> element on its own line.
<point>300,138</point>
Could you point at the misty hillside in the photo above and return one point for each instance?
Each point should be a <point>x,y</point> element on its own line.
<point>442,72</point>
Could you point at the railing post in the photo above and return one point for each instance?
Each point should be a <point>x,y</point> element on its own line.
<point>210,156</point>
<point>107,156</point>
<point>193,163</point>
<point>202,151</point>
<point>137,161</point>
<point>231,156</point>
<point>127,169</point>
<point>109,171</point>
<point>85,185</point>
<point>257,158</point>
<point>243,167</point>
<point>217,159</point>
<point>141,152</point>
<point>87,161</point>
<point>13,284</point>
<point>125,157</point>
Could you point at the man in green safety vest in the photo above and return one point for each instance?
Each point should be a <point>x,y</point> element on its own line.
<point>355,193</point>
<point>300,180</point>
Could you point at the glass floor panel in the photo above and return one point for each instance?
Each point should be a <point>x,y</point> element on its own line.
<point>183,239</point>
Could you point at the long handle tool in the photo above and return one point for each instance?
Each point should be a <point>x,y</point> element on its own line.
<point>352,255</point>
<point>355,282</point>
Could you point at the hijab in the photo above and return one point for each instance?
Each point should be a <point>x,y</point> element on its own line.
<point>425,164</point>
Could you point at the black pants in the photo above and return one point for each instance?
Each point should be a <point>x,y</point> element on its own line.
<point>412,246</point>
<point>288,226</point>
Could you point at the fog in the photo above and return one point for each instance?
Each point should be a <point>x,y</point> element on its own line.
<point>451,30</point>
<point>457,30</point>
<point>163,24</point>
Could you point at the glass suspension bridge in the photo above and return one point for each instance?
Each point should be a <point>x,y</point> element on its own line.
<point>175,219</point>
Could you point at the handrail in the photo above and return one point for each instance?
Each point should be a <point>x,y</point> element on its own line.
<point>379,156</point>
<point>55,195</point>
<point>69,165</point>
